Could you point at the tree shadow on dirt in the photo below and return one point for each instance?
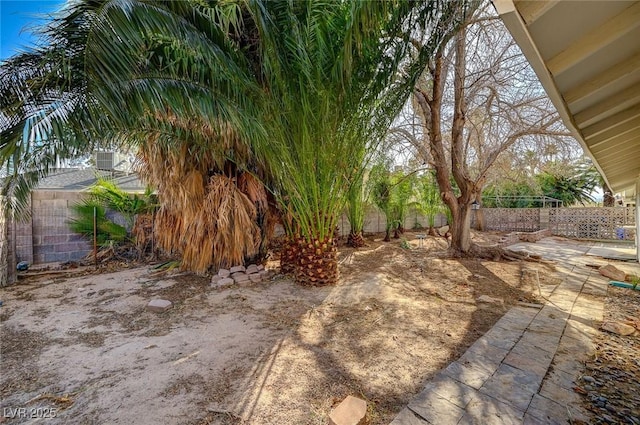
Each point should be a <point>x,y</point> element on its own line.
<point>359,349</point>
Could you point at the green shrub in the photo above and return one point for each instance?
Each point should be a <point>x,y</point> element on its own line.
<point>106,230</point>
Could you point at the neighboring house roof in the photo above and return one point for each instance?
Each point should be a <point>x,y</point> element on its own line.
<point>587,56</point>
<point>73,179</point>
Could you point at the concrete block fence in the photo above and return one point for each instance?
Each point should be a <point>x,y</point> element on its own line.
<point>46,237</point>
<point>597,223</point>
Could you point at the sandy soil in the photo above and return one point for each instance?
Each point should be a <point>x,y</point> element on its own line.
<point>85,350</point>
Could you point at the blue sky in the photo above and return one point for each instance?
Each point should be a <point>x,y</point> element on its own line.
<point>16,16</point>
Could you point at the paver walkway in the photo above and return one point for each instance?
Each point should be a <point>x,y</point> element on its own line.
<point>523,370</point>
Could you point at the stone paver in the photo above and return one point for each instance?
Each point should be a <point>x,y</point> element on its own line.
<point>351,411</point>
<point>435,409</point>
<point>485,410</point>
<point>454,391</point>
<point>503,338</point>
<point>512,386</point>
<point>407,417</point>
<point>506,377</point>
<point>551,412</point>
<point>484,354</point>
<point>537,365</point>
<point>473,374</point>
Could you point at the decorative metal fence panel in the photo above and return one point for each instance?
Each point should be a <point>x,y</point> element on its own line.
<point>593,223</point>
<point>512,219</point>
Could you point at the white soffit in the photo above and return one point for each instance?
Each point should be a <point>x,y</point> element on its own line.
<point>587,56</point>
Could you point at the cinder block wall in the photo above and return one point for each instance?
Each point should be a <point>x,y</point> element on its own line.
<point>22,237</point>
<point>375,222</point>
<point>51,238</point>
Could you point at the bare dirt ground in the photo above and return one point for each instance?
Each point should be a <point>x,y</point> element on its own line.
<point>85,350</point>
<point>611,381</point>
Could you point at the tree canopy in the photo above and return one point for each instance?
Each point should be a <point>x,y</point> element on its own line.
<point>294,94</point>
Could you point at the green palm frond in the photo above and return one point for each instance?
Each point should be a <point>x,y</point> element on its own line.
<point>297,92</point>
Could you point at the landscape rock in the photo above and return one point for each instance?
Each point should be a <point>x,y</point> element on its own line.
<point>255,278</point>
<point>618,328</point>
<point>252,269</point>
<point>264,274</point>
<point>352,411</point>
<point>613,273</point>
<point>159,305</point>
<point>225,282</point>
<point>489,300</point>
<point>237,269</point>
<point>224,273</point>
<point>215,279</point>
<point>241,278</point>
<point>260,267</point>
<point>236,274</point>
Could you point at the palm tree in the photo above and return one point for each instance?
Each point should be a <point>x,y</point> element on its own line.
<point>330,100</point>
<point>430,203</point>
<point>289,93</point>
<point>382,199</point>
<point>213,211</point>
<point>356,202</point>
<point>44,110</point>
<point>571,183</point>
<point>392,194</point>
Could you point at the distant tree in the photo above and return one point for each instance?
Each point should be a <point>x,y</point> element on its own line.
<point>402,194</point>
<point>429,202</point>
<point>511,194</point>
<point>568,181</point>
<point>381,196</point>
<point>571,184</point>
<point>356,204</point>
<point>477,99</point>
<point>221,96</point>
<point>569,189</point>
<point>608,199</point>
<point>393,193</point>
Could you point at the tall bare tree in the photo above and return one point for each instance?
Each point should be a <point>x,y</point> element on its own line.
<point>477,99</point>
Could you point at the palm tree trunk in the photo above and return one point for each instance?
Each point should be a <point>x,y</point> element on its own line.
<point>355,239</point>
<point>289,255</point>
<point>317,263</point>
<point>387,235</point>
